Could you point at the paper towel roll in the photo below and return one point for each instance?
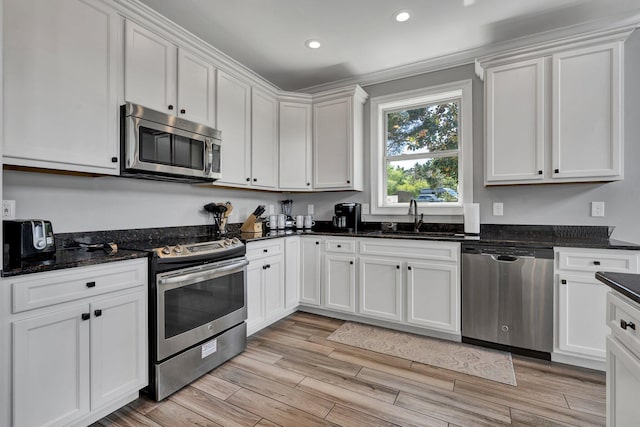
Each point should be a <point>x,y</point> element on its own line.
<point>471,218</point>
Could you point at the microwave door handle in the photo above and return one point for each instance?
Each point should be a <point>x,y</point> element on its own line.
<point>203,275</point>
<point>209,155</point>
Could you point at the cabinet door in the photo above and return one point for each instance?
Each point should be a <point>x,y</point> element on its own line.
<point>149,69</point>
<point>264,144</point>
<point>310,271</point>
<point>333,144</point>
<point>292,272</point>
<point>60,68</point>
<point>255,296</point>
<point>433,298</point>
<point>51,368</point>
<point>623,385</point>
<point>381,288</point>
<point>196,88</point>
<point>295,146</point>
<point>514,149</point>
<point>273,283</point>
<point>340,282</point>
<point>587,105</point>
<point>582,319</point>
<point>118,347</point>
<point>233,119</point>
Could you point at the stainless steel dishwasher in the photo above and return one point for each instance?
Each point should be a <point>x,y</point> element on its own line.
<point>507,298</point>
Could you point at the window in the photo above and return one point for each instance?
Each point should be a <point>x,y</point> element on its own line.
<point>422,149</point>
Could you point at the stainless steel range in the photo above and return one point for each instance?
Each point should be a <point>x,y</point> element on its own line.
<point>197,310</point>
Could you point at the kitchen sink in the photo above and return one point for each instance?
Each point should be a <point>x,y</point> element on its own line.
<point>425,234</point>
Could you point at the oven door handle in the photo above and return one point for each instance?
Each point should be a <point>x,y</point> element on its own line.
<point>204,275</point>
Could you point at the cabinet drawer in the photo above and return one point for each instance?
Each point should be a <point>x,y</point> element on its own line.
<point>439,251</point>
<point>340,246</point>
<point>265,248</point>
<point>623,317</point>
<point>586,260</point>
<point>45,289</point>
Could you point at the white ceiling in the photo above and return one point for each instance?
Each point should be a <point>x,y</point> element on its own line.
<point>361,37</point>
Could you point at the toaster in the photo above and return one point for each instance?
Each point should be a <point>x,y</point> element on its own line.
<point>28,238</point>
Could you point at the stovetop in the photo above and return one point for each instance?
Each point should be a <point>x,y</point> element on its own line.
<point>193,248</point>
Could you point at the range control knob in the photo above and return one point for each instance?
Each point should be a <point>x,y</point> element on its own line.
<point>166,250</point>
<point>178,249</point>
<point>226,243</point>
<point>235,241</point>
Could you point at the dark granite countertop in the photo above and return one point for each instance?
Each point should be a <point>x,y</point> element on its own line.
<point>536,236</point>
<point>69,258</point>
<point>625,283</point>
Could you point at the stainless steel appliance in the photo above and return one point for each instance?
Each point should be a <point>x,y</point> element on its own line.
<point>347,217</point>
<point>160,146</point>
<point>507,298</point>
<point>197,310</point>
<point>28,238</point>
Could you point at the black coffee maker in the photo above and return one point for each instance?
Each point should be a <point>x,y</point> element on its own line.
<point>347,217</point>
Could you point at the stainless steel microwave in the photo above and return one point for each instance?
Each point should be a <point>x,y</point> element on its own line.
<point>160,146</point>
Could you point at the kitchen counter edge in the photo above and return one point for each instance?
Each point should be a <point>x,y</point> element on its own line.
<point>625,283</point>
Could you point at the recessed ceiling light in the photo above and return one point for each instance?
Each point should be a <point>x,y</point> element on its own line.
<point>312,44</point>
<point>402,15</point>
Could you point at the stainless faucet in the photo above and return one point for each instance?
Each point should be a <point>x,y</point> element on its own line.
<point>413,210</point>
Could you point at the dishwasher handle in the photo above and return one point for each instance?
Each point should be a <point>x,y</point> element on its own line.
<point>507,258</point>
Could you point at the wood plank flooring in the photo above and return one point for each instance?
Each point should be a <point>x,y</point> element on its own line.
<point>291,375</point>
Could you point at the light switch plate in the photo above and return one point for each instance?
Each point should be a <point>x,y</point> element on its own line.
<point>498,209</point>
<point>597,208</point>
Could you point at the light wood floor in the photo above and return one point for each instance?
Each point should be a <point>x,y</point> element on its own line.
<point>291,375</point>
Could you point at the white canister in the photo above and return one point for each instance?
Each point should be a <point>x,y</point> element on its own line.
<point>273,222</point>
<point>299,221</point>
<point>282,221</point>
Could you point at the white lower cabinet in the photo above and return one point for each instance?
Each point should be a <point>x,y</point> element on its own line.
<point>292,272</point>
<point>580,303</point>
<point>310,269</point>
<point>77,360</point>
<point>340,282</point>
<point>265,283</point>
<point>381,288</point>
<point>433,295</point>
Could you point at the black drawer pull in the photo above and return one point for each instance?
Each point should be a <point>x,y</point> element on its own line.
<point>624,325</point>
<point>317,243</point>
<point>563,281</point>
<point>97,313</point>
<point>596,262</point>
<point>170,107</point>
<point>183,111</point>
<point>114,160</point>
<point>398,267</point>
<point>539,172</point>
<point>86,316</point>
<point>339,246</point>
<point>351,262</point>
<point>556,171</point>
<point>91,284</point>
<point>265,250</point>
<point>409,267</point>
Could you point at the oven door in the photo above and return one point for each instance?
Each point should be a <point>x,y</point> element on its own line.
<point>197,303</point>
<point>164,150</point>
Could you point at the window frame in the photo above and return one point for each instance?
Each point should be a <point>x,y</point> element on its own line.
<point>461,90</point>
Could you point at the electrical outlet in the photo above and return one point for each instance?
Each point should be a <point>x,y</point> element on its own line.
<point>597,208</point>
<point>498,209</point>
<point>8,209</point>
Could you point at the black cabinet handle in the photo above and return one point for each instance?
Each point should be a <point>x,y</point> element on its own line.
<point>624,325</point>
<point>255,179</point>
<point>339,246</point>
<point>86,316</point>
<point>409,267</point>
<point>97,313</point>
<point>556,171</point>
<point>182,111</point>
<point>248,179</point>
<point>539,172</point>
<point>398,267</point>
<point>317,243</point>
<point>114,160</point>
<point>268,265</point>
<point>596,262</point>
<point>265,250</point>
<point>351,262</point>
<point>348,182</point>
<point>308,183</point>
<point>91,284</point>
<point>563,281</point>
<point>264,267</point>
<point>170,107</point>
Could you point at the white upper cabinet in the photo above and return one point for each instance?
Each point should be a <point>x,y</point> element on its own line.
<point>555,114</point>
<point>264,143</point>
<point>295,146</point>
<point>338,139</point>
<point>234,121</point>
<point>60,71</point>
<point>587,105</point>
<point>196,88</point>
<point>515,121</point>
<point>163,77</point>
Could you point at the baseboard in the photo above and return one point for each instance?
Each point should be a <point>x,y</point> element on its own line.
<point>584,362</point>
